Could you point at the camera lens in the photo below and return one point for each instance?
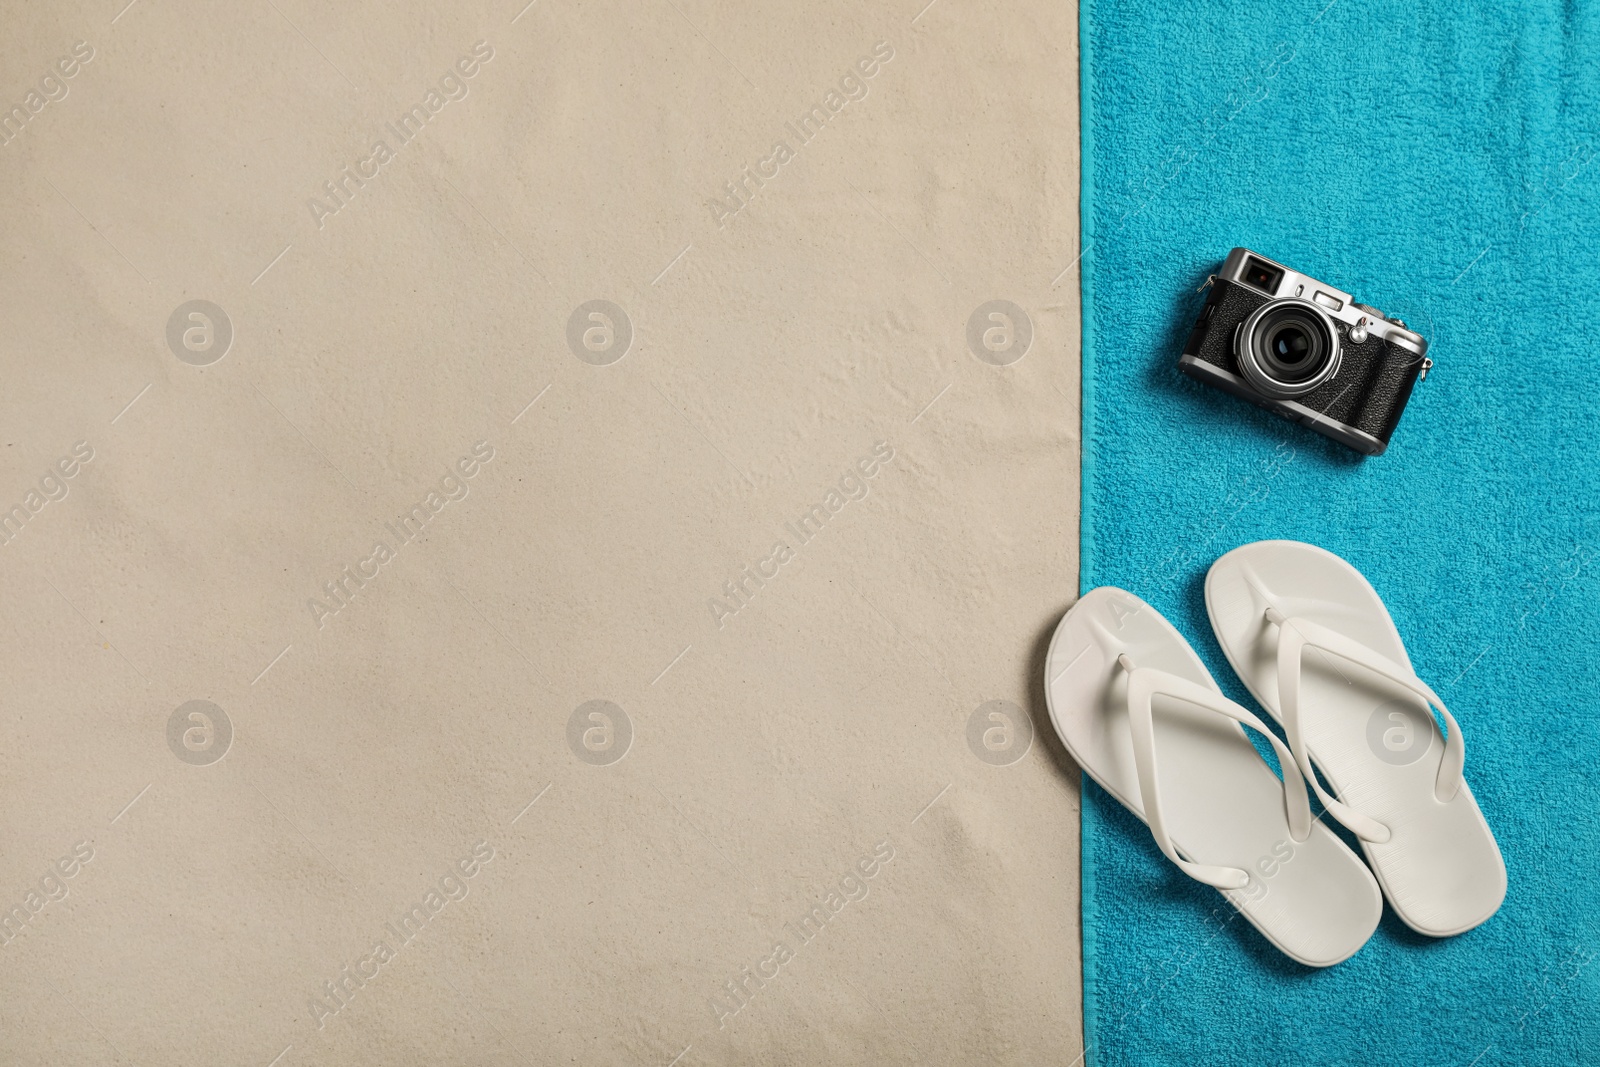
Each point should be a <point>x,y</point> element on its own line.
<point>1292,353</point>
<point>1290,344</point>
<point>1288,348</point>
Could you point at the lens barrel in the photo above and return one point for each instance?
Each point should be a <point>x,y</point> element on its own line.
<point>1288,348</point>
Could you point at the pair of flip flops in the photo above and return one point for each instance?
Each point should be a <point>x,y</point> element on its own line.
<point>1314,644</point>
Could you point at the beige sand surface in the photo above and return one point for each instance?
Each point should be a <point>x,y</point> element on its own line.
<point>398,501</point>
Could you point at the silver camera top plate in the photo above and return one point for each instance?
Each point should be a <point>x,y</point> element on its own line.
<point>1336,303</point>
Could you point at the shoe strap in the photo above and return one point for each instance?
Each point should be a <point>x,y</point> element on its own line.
<point>1295,634</point>
<point>1144,685</point>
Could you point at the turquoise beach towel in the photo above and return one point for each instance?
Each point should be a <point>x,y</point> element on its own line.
<point>1442,162</point>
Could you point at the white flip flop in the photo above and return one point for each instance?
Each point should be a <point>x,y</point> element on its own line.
<point>1139,712</point>
<point>1356,710</point>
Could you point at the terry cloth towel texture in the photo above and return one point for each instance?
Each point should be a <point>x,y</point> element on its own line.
<point>1441,162</point>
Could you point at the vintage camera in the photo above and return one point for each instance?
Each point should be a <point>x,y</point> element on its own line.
<point>1305,350</point>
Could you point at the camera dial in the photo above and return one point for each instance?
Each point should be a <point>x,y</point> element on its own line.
<point>1287,348</point>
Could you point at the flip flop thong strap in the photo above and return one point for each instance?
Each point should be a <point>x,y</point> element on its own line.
<point>1295,634</point>
<point>1144,685</point>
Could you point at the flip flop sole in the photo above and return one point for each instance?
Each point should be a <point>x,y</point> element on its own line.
<point>1376,743</point>
<point>1313,899</point>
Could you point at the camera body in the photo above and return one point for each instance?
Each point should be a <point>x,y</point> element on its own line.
<point>1305,350</point>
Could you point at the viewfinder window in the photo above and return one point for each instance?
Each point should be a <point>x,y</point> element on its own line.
<point>1259,275</point>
